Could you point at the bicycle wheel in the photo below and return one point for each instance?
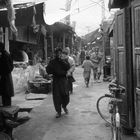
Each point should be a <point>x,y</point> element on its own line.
<point>103,108</point>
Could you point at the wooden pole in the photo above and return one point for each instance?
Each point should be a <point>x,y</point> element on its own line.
<point>52,44</point>
<point>6,40</point>
<point>45,49</point>
<point>64,43</point>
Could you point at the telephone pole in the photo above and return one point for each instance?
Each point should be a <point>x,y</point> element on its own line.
<point>68,6</point>
<point>103,10</point>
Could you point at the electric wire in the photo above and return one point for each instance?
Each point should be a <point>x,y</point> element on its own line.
<point>102,6</point>
<point>90,6</point>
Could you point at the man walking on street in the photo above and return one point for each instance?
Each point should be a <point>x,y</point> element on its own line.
<point>59,67</point>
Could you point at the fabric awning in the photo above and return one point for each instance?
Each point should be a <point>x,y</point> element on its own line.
<point>24,16</point>
<point>59,27</point>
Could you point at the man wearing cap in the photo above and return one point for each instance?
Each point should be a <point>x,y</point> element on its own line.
<point>59,67</point>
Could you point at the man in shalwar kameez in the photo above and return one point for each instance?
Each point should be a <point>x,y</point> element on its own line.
<point>58,67</point>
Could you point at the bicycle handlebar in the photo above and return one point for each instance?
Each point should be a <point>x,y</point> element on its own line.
<point>113,87</point>
<point>111,84</point>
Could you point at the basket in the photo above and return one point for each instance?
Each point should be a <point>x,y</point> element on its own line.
<point>39,87</point>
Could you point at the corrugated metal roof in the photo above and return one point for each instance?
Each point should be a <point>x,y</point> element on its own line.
<point>20,2</point>
<point>27,1</point>
<point>92,36</point>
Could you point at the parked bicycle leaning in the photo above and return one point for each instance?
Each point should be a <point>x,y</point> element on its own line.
<point>112,113</point>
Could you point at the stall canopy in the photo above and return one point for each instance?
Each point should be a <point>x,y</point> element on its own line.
<point>25,13</point>
<point>91,37</point>
<point>25,9</point>
<point>60,27</point>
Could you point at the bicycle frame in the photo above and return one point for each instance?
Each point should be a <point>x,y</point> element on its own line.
<point>115,114</point>
<point>115,119</point>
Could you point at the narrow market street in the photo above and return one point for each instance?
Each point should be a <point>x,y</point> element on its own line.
<point>82,122</point>
<point>41,43</point>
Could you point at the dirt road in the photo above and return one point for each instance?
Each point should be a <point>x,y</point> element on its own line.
<point>82,122</point>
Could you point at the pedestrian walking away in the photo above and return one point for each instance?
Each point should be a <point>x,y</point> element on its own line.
<point>6,81</point>
<point>59,67</point>
<point>82,56</point>
<point>87,66</point>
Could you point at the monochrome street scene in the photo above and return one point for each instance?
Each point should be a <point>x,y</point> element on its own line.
<point>69,70</point>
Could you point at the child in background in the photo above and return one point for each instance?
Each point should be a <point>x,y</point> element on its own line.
<point>42,70</point>
<point>87,65</point>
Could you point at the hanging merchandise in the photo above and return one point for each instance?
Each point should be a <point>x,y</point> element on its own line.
<point>11,16</point>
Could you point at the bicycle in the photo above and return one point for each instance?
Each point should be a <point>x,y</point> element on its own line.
<point>112,114</point>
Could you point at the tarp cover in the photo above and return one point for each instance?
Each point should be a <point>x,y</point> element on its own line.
<point>24,16</point>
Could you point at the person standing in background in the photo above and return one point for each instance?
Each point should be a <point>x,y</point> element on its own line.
<point>96,58</point>
<point>82,56</point>
<point>6,81</point>
<point>42,70</point>
<point>71,70</point>
<point>59,67</point>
